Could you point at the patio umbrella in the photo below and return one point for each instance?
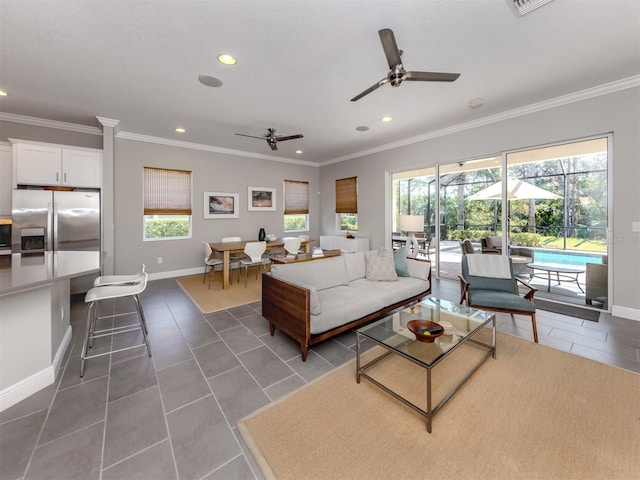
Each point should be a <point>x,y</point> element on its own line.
<point>516,190</point>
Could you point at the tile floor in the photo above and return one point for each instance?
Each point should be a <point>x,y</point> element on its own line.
<point>173,415</point>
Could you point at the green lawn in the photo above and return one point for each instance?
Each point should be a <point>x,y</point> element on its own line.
<point>575,244</point>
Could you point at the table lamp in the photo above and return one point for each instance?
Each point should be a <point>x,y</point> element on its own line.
<point>411,224</point>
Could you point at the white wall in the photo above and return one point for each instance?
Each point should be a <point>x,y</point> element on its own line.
<point>615,112</point>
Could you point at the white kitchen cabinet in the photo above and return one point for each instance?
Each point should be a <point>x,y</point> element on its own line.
<point>47,164</point>
<point>341,242</point>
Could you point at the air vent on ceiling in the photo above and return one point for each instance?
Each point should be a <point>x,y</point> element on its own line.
<point>525,6</point>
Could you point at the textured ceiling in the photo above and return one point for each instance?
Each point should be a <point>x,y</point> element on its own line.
<point>299,64</point>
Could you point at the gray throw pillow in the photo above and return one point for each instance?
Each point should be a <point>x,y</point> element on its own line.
<point>380,266</point>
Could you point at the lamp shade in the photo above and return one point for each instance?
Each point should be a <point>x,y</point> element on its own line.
<point>411,223</point>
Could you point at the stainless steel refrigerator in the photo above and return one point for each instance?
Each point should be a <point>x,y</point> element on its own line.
<point>45,220</point>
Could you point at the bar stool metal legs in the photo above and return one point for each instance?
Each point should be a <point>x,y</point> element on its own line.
<point>97,294</point>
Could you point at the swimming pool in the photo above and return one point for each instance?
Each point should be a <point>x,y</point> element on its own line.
<point>566,258</point>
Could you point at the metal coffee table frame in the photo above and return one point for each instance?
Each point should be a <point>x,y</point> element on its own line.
<point>430,411</point>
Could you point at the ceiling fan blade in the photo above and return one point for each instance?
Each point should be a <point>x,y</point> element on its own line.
<point>250,136</point>
<point>390,47</point>
<point>370,89</point>
<point>288,137</point>
<point>431,76</point>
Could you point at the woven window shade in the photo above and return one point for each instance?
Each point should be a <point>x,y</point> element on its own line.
<point>347,195</point>
<point>167,192</point>
<point>296,197</point>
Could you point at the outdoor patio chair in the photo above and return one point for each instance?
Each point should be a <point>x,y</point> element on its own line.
<point>429,245</point>
<point>488,282</point>
<point>491,245</point>
<point>596,282</point>
<point>467,247</point>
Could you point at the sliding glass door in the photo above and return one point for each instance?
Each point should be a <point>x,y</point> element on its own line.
<point>560,213</point>
<point>549,213</point>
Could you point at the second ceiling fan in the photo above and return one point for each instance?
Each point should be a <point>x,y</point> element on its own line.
<point>272,137</point>
<point>397,74</point>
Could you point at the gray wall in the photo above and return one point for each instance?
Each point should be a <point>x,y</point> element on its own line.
<point>212,172</point>
<point>616,112</point>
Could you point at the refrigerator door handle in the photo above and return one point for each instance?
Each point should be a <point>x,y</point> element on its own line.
<point>52,236</point>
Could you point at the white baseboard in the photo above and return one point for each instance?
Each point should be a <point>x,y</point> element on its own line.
<point>176,273</point>
<point>26,387</point>
<point>625,312</point>
<point>36,382</point>
<point>57,359</point>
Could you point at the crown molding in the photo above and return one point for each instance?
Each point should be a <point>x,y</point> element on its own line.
<point>41,122</point>
<point>210,148</point>
<point>110,123</point>
<point>586,94</point>
<point>605,89</point>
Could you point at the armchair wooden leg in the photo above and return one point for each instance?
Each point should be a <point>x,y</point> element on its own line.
<point>535,328</point>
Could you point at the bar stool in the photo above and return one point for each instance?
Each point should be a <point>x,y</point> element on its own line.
<point>119,279</point>
<point>108,292</point>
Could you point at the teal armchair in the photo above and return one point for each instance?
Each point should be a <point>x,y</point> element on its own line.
<point>492,285</point>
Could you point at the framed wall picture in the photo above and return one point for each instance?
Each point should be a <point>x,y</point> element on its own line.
<point>221,205</point>
<point>261,199</point>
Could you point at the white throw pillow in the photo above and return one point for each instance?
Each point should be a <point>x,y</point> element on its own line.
<point>380,267</point>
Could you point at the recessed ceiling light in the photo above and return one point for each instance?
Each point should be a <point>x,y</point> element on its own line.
<point>362,128</point>
<point>3,94</point>
<point>227,59</point>
<point>476,102</point>
<point>181,130</point>
<point>386,119</point>
<point>299,152</point>
<point>210,81</point>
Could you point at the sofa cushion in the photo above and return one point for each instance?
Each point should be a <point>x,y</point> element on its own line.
<point>322,273</point>
<point>380,266</point>
<point>498,299</point>
<point>400,261</point>
<point>355,264</point>
<point>342,305</point>
<point>390,292</point>
<point>418,268</point>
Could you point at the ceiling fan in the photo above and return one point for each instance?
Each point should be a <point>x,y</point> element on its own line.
<point>397,74</point>
<point>273,138</point>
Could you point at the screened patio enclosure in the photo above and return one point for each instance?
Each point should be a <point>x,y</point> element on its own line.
<point>564,222</point>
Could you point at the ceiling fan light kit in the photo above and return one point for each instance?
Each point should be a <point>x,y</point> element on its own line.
<point>525,6</point>
<point>397,73</point>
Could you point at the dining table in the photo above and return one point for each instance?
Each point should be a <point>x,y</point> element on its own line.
<point>227,248</point>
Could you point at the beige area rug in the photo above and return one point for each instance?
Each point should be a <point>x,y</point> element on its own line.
<point>533,412</point>
<point>218,299</point>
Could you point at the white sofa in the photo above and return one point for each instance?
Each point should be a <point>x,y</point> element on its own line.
<point>314,300</point>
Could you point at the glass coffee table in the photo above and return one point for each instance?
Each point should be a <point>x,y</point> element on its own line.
<point>391,333</point>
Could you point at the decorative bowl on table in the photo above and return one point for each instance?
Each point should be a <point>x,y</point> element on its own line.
<point>425,330</point>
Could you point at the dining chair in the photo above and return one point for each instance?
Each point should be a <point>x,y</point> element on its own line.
<point>210,263</point>
<point>292,245</point>
<point>234,258</point>
<point>255,251</point>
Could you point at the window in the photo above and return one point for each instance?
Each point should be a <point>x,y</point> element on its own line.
<point>296,206</point>
<point>347,204</point>
<point>167,204</point>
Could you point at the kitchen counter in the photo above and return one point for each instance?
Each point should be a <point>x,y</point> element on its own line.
<point>35,328</point>
<point>24,272</point>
